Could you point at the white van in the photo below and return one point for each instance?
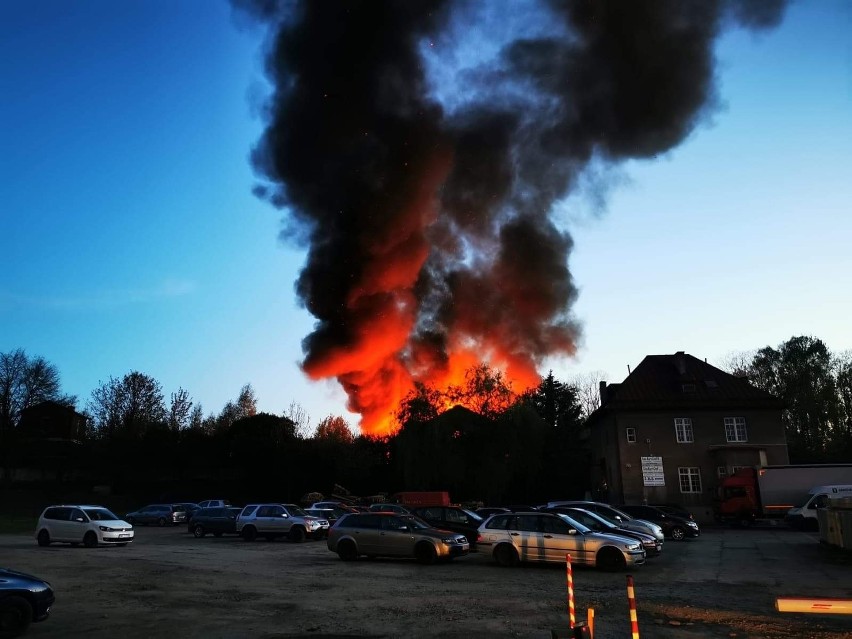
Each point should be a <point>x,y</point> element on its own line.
<point>805,514</point>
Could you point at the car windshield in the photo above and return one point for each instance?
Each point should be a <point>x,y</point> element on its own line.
<point>593,521</point>
<point>475,516</point>
<point>624,516</point>
<point>574,523</point>
<point>100,514</point>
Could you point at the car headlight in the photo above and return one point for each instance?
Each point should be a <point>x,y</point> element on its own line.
<point>632,546</point>
<point>105,528</point>
<point>692,524</point>
<point>454,540</point>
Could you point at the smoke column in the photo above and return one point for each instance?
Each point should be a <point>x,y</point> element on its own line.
<point>418,149</point>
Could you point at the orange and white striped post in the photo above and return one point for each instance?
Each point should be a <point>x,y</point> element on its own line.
<point>570,579</point>
<point>631,599</point>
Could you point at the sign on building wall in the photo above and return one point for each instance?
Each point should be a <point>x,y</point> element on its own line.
<point>652,471</point>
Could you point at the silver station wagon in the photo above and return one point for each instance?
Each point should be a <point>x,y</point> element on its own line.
<point>394,535</point>
<point>514,537</point>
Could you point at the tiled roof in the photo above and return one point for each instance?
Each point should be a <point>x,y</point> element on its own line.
<point>681,380</point>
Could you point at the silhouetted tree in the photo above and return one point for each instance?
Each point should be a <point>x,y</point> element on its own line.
<point>180,410</point>
<point>335,429</point>
<point>127,407</point>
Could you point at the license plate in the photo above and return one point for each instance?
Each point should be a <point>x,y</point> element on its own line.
<point>124,535</point>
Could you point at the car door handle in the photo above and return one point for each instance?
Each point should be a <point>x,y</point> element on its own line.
<point>515,534</point>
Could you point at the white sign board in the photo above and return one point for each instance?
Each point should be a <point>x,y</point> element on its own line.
<point>652,471</point>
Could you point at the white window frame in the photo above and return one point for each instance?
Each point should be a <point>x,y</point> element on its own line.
<point>734,469</point>
<point>630,433</point>
<point>735,429</point>
<point>721,471</point>
<point>683,430</point>
<point>689,479</point>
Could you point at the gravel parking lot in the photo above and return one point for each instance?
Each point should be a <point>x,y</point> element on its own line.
<point>169,583</point>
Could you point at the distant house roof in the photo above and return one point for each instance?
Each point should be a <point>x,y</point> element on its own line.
<point>51,405</point>
<point>681,380</point>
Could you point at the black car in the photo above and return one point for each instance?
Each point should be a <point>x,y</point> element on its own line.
<point>673,526</point>
<point>459,520</point>
<point>218,521</point>
<point>23,599</point>
<point>674,509</point>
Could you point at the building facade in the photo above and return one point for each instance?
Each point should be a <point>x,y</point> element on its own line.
<point>675,427</point>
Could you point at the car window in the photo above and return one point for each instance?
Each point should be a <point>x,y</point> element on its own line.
<point>393,523</point>
<point>456,517</point>
<point>60,514</point>
<point>76,514</point>
<point>554,525</point>
<point>500,522</point>
<point>248,510</point>
<point>100,514</point>
<point>431,513</point>
<point>295,511</point>
<point>528,523</point>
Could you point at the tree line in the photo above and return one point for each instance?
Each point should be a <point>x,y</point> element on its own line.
<point>502,446</point>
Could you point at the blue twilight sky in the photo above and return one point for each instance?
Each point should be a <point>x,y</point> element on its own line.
<point>131,239</point>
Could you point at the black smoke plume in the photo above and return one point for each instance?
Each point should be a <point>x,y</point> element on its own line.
<point>428,218</point>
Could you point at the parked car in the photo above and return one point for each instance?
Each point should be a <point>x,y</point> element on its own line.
<point>673,526</point>
<point>653,546</point>
<point>389,508</point>
<point>675,509</point>
<point>190,507</point>
<point>623,519</point>
<point>334,504</point>
<point>521,508</point>
<point>460,520</point>
<point>159,514</point>
<point>548,537</point>
<point>217,521</point>
<point>87,525</point>
<point>279,520</point>
<point>24,599</point>
<point>214,503</point>
<point>486,511</point>
<point>394,535</point>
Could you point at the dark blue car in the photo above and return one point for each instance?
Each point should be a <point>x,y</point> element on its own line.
<point>23,599</point>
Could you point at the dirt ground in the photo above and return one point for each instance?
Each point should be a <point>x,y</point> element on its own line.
<point>170,584</point>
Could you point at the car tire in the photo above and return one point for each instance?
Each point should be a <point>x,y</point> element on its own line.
<point>297,534</point>
<point>610,559</point>
<point>506,555</point>
<point>43,538</point>
<point>425,553</point>
<point>249,533</point>
<point>90,540</point>
<point>198,531</point>
<point>16,613</point>
<point>347,551</point>
<point>678,533</point>
<point>161,522</point>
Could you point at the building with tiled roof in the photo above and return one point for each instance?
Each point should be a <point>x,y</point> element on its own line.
<point>675,427</point>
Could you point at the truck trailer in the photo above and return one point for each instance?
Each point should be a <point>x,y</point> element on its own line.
<point>769,492</point>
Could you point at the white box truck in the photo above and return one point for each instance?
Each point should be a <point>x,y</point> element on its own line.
<point>804,515</point>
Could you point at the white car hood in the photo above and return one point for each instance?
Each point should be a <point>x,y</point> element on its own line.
<point>112,523</point>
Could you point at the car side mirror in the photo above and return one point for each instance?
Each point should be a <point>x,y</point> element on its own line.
<point>285,516</point>
<point>572,531</point>
<point>403,528</point>
<point>80,519</point>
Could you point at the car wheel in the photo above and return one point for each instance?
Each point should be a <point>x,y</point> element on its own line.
<point>90,539</point>
<point>610,559</point>
<point>43,538</point>
<point>425,553</point>
<point>506,555</point>
<point>678,533</point>
<point>198,531</point>
<point>15,616</point>
<point>161,522</point>
<point>249,533</point>
<point>297,534</point>
<point>347,551</point>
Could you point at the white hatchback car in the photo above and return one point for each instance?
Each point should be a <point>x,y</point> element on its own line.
<point>87,525</point>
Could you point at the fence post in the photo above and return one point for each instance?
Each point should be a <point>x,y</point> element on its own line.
<point>570,578</point>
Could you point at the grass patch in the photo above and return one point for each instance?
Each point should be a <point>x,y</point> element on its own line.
<point>17,525</point>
